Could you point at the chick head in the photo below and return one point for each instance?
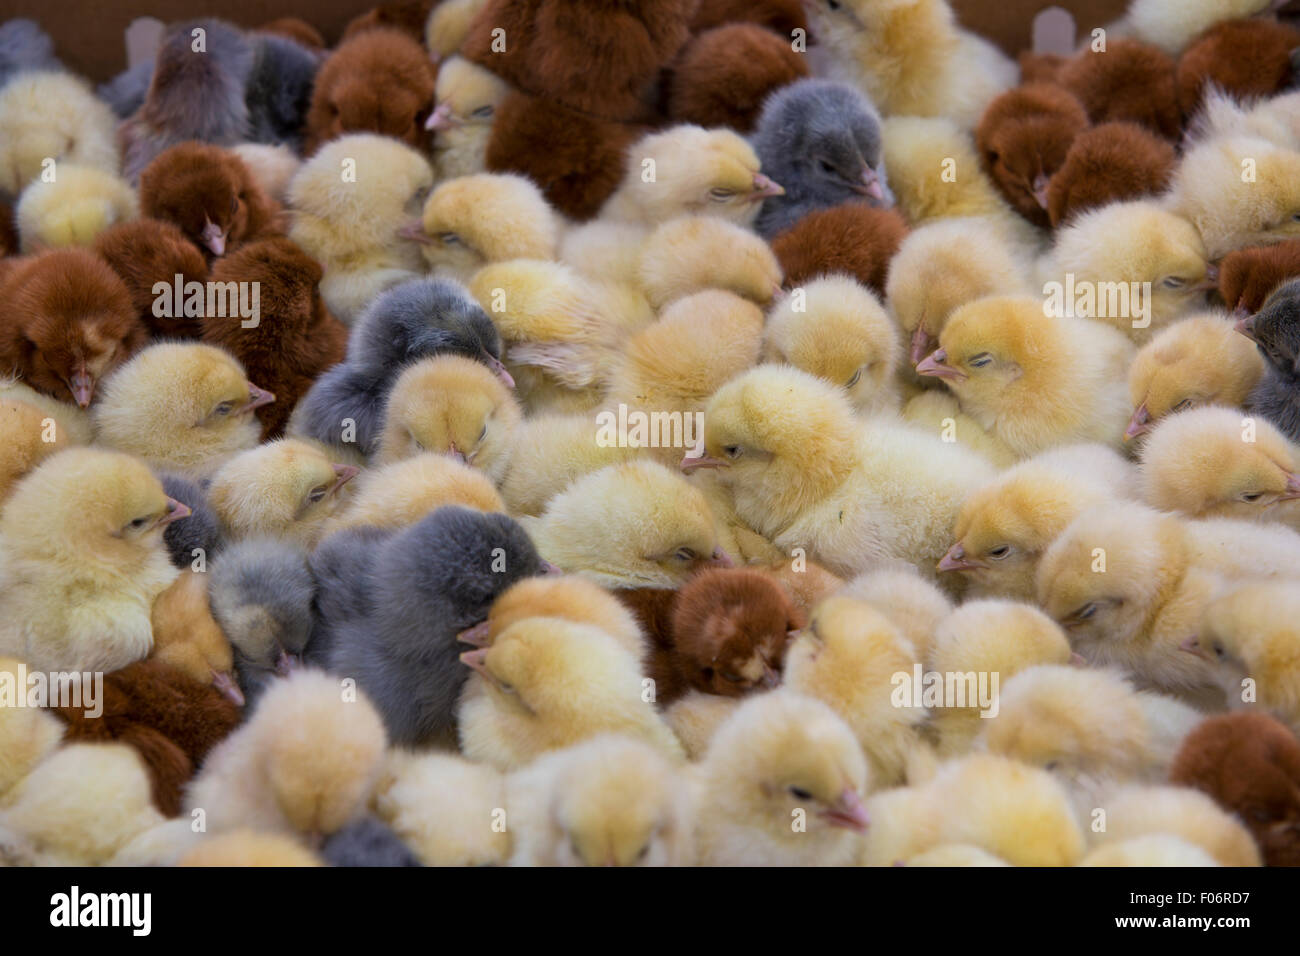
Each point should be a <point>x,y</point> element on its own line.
<point>1251,631</point>
<point>567,597</point>
<point>187,636</point>
<point>207,191</point>
<point>74,208</point>
<point>52,114</point>
<point>466,95</point>
<point>402,493</point>
<point>261,592</point>
<point>692,253</point>
<point>1275,331</point>
<point>378,81</point>
<point>1217,462</point>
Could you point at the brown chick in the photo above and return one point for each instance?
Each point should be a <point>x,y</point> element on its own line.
<point>295,29</point>
<point>407,16</point>
<point>723,76</point>
<point>853,238</point>
<point>1246,58</point>
<point>1248,276</point>
<point>1109,163</point>
<point>1250,765</point>
<point>68,320</point>
<point>1040,67</point>
<point>380,81</point>
<point>1130,81</point>
<point>1023,138</point>
<point>210,193</point>
<point>295,338</point>
<point>779,16</point>
<point>147,251</point>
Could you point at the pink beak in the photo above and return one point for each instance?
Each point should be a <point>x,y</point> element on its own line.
<point>480,635</point>
<point>848,812</point>
<point>720,559</point>
<point>343,474</point>
<point>441,118</point>
<point>1139,424</point>
<point>1211,280</point>
<point>1078,660</point>
<point>414,232</point>
<point>223,682</point>
<point>214,238</point>
<point>690,463</point>
<point>934,365</point>
<point>286,664</point>
<point>176,510</point>
<point>764,188</point>
<point>500,370</point>
<point>455,454</point>
<point>1246,326</point>
<point>1040,190</point>
<point>869,185</point>
<point>923,343</point>
<point>1292,487</point>
<point>1189,645</point>
<point>82,386</point>
<point>955,560</point>
<point>551,570</point>
<point>476,659</point>
<point>257,397</point>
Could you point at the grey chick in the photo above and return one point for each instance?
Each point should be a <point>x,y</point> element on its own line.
<point>1275,330</point>
<point>261,592</point>
<point>367,842</point>
<point>278,91</point>
<point>25,46</point>
<point>821,141</point>
<point>199,535</point>
<point>411,321</point>
<point>429,582</point>
<point>340,567</point>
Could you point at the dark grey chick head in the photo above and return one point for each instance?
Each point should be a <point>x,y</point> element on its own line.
<point>367,842</point>
<point>1275,329</point>
<point>25,46</point>
<point>197,92</point>
<point>821,141</point>
<point>279,90</point>
<point>198,537</point>
<point>419,319</point>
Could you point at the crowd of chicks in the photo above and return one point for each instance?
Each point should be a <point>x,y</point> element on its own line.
<point>366,584</point>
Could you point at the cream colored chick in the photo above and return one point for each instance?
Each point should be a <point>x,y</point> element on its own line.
<point>349,202</point>
<point>609,250</point>
<point>943,265</point>
<point>1243,549</point>
<point>27,734</point>
<point>983,644</point>
<point>286,489</point>
<point>610,801</point>
<point>180,405</point>
<point>402,493</point>
<point>805,473</point>
<point>71,424</point>
<point>1158,849</point>
<point>471,221</point>
<point>937,411</point>
<point>696,717</point>
<point>79,204</point>
<point>249,848</point>
<point>1199,360</point>
<point>453,406</point>
<point>635,525</point>
<point>272,167</point>
<point>547,683</point>
<point>778,760</point>
<point>550,453</point>
<point>79,806</point>
<point>24,429</point>
<point>1275,118</point>
<point>1173,24</point>
<point>1180,812</point>
<point>1134,265</point>
<point>693,253</point>
<point>847,658</point>
<point>688,170</point>
<point>305,763</point>
<point>466,101</point>
<point>910,602</point>
<point>1032,381</point>
<point>836,329</point>
<point>1004,527</point>
<point>448,25</point>
<point>82,560</point>
<point>48,115</point>
<point>450,812</point>
<point>1231,209</point>
<point>911,57</point>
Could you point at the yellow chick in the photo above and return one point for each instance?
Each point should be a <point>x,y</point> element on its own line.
<point>693,253</point>
<point>249,848</point>
<point>603,249</point>
<point>1230,209</point>
<point>1133,265</point>
<point>696,717</point>
<point>781,759</point>
<point>1159,849</point>
<point>24,430</point>
<point>1180,812</point>
<point>937,410</point>
<point>688,170</point>
<point>71,423</point>
<point>1214,462</point>
<point>609,801</point>
<point>187,637</point>
<point>655,529</point>
<point>82,560</point>
<point>52,115</point>
<point>978,648</point>
<point>466,100</point>
<point>837,330</point>
<point>849,657</point>
<point>450,812</point>
<point>447,26</point>
<point>79,806</point>
<point>546,683</point>
<point>1031,380</point>
<point>180,405</point>
<point>805,473</point>
<point>27,734</point>
<point>1173,24</point>
<point>453,406</point>
<point>402,493</point>
<point>349,203</point>
<point>910,602</point>
<point>272,167</point>
<point>305,763</point>
<point>551,452</point>
<point>471,221</point>
<point>73,208</point>
<point>285,488</point>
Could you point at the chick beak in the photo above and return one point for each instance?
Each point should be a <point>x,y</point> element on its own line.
<point>286,663</point>
<point>1240,312</point>
<point>719,559</point>
<point>1040,190</point>
<point>764,188</point>
<point>1211,280</point>
<point>82,386</point>
<point>691,462</point>
<point>955,560</point>
<point>778,293</point>
<point>343,474</point>
<point>214,238</point>
<point>551,570</point>
<point>771,677</point>
<point>868,184</point>
<point>848,812</point>
<point>176,510</point>
<point>455,454</point>
<point>257,397</point>
<point>1078,660</point>
<point>476,659</point>
<point>1139,424</point>
<point>441,118</point>
<point>414,232</point>
<point>1246,326</point>
<point>499,370</point>
<point>933,364</point>
<point>1292,488</point>
<point>923,343</point>
<point>1190,646</point>
<point>223,682</point>
<point>480,635</point>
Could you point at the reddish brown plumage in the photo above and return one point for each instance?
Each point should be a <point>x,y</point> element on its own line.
<point>200,187</point>
<point>409,16</point>
<point>1131,81</point>
<point>1022,139</point>
<point>169,718</point>
<point>66,318</point>
<point>296,338</point>
<point>1247,58</point>
<point>852,238</point>
<point>780,16</point>
<point>295,29</point>
<point>1250,764</point>
<point>1248,276</point>
<point>576,161</point>
<point>653,608</point>
<point>380,81</point>
<point>8,231</point>
<point>146,251</point>
<point>1040,67</point>
<point>1109,163</point>
<point>723,76</point>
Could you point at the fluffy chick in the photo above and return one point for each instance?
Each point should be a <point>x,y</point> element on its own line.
<point>147,251</point>
<point>1180,812</point>
<point>723,76</point>
<point>467,98</point>
<point>1160,849</point>
<point>694,253</point>
<point>272,167</point>
<point>408,16</point>
<point>551,452</point>
<point>1172,26</point>
<point>448,25</point>
<point>1109,163</point>
<point>52,114</point>
<point>187,638</point>
<point>25,46</point>
<point>23,430</point>
<point>394,496</point>
<point>74,208</point>
<point>1276,334</point>
<point>444,808</point>
<point>853,238</point>
<point>1247,277</point>
<point>911,603</point>
<point>1244,58</point>
<point>1130,81</point>
<point>83,560</point>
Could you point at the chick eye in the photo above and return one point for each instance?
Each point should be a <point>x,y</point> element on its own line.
<point>1000,552</point>
<point>1051,765</point>
<point>505,688</point>
<point>1085,612</point>
<point>139,523</point>
<point>800,794</point>
<point>732,451</point>
<point>733,678</point>
<point>317,494</point>
<point>1252,496</point>
<point>1173,282</point>
<point>980,360</point>
<point>645,852</point>
<point>1218,649</point>
<point>857,376</point>
<point>1295,217</point>
<point>833,4</point>
<point>684,554</point>
<point>483,433</point>
<point>825,166</point>
<point>483,112</point>
<point>225,408</point>
<point>1184,404</point>
<point>449,238</point>
<point>721,195</point>
<point>1261,816</point>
